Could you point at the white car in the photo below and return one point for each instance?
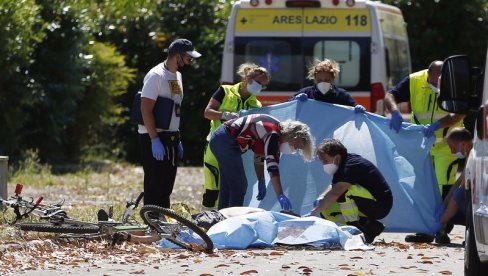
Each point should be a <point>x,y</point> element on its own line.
<point>462,92</point>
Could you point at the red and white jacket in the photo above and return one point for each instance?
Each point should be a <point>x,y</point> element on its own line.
<point>260,133</point>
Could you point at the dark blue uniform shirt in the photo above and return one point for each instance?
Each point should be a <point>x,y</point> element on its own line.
<point>335,96</point>
<point>357,170</point>
<point>401,91</point>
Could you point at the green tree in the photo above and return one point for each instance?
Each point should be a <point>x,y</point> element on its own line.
<point>99,113</point>
<point>20,31</point>
<point>441,28</point>
<point>58,69</point>
<point>79,81</point>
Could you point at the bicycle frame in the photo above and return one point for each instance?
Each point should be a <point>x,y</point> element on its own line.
<point>22,207</point>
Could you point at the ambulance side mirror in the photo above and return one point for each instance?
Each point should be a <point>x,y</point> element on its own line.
<point>457,93</point>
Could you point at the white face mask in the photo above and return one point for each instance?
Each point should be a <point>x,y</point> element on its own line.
<point>254,87</point>
<point>434,88</point>
<point>330,168</point>
<point>324,87</point>
<point>285,148</point>
<point>460,155</point>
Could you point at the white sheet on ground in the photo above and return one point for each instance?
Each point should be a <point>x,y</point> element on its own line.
<point>264,229</point>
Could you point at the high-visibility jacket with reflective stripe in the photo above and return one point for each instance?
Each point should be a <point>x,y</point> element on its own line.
<point>425,109</point>
<point>233,102</point>
<point>347,210</point>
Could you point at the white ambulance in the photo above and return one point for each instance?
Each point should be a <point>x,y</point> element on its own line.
<point>367,38</point>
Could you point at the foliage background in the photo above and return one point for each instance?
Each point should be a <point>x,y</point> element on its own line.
<point>71,68</point>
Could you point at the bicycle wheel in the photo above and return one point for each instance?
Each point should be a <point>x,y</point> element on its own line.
<point>65,227</point>
<point>169,225</point>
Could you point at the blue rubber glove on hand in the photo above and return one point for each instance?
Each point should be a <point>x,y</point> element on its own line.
<point>429,130</point>
<point>229,115</point>
<point>284,202</point>
<point>396,121</point>
<point>310,215</point>
<point>359,109</point>
<point>317,201</point>
<point>157,148</point>
<point>302,97</point>
<point>180,150</point>
<point>261,189</point>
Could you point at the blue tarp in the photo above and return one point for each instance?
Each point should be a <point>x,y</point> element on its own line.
<point>263,229</point>
<point>403,159</point>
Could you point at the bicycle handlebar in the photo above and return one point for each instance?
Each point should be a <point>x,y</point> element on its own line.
<point>38,201</point>
<point>130,206</point>
<point>18,189</point>
<point>139,198</point>
<point>22,208</point>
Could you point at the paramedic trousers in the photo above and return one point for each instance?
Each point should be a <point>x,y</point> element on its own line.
<point>233,181</point>
<point>211,175</point>
<point>358,203</point>
<point>159,175</point>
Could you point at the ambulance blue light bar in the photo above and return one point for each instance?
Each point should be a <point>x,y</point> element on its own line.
<point>302,3</point>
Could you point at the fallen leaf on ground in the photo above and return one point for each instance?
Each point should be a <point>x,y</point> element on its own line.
<point>249,272</point>
<point>276,253</point>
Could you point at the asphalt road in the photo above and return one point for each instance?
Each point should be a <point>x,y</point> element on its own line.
<point>391,255</point>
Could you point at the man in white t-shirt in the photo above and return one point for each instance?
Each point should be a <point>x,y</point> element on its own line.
<point>161,148</point>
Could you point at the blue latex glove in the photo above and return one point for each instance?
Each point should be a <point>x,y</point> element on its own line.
<point>310,215</point>
<point>316,202</point>
<point>359,109</point>
<point>261,189</point>
<point>229,115</point>
<point>284,202</point>
<point>429,130</point>
<point>157,148</point>
<point>180,150</point>
<point>302,97</point>
<point>242,112</point>
<point>396,121</point>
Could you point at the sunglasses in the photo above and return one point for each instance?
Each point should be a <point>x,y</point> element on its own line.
<point>189,57</point>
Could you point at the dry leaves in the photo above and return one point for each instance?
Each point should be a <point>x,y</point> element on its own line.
<point>249,272</point>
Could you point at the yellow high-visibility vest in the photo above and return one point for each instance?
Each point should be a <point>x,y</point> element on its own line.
<point>425,109</point>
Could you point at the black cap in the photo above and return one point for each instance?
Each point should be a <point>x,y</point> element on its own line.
<point>183,45</point>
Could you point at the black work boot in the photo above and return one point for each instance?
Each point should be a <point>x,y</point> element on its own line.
<point>371,228</point>
<point>442,237</point>
<point>419,237</point>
